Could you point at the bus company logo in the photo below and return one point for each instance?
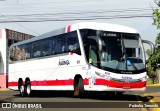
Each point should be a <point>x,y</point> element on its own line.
<point>63,62</point>
<point>126,77</point>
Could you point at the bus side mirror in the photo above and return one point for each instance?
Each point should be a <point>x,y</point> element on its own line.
<point>151,45</point>
<point>99,41</point>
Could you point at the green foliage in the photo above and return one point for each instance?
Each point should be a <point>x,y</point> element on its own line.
<point>154,59</point>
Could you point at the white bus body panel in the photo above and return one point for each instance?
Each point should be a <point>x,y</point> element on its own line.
<point>46,73</point>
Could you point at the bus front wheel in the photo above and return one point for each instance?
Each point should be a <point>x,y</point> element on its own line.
<point>78,88</point>
<point>28,89</point>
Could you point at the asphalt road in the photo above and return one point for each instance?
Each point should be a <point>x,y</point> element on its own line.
<point>92,101</point>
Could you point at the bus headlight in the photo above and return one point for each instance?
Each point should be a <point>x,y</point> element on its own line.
<point>103,75</point>
<point>143,78</point>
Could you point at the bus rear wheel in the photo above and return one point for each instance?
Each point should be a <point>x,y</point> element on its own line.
<point>22,89</point>
<point>28,89</point>
<point>79,88</point>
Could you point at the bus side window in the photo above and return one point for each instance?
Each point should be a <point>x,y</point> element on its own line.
<point>47,47</point>
<point>60,46</point>
<point>18,53</point>
<point>12,54</point>
<point>28,50</point>
<point>23,53</point>
<point>53,46</point>
<point>36,49</point>
<point>72,42</point>
<point>63,44</point>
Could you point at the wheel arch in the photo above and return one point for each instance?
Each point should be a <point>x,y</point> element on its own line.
<point>27,79</point>
<point>76,77</point>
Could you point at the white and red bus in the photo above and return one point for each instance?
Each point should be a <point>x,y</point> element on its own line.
<point>7,37</point>
<point>81,57</point>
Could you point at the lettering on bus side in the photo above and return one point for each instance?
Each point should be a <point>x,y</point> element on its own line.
<point>63,62</point>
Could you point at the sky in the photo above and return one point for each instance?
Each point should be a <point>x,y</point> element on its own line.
<point>52,14</point>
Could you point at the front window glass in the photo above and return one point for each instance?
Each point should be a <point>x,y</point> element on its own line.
<point>111,52</point>
<point>132,46</point>
<point>120,51</point>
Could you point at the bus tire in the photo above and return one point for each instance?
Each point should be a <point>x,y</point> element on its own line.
<point>28,90</point>
<point>22,89</point>
<point>79,88</point>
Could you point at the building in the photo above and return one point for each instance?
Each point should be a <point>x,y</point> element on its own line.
<point>7,37</point>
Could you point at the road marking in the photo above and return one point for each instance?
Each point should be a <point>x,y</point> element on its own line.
<point>152,102</point>
<point>139,100</point>
<point>153,85</point>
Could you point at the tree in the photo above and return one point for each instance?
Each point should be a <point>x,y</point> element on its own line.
<point>154,59</point>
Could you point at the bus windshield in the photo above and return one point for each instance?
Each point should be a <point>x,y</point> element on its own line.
<point>120,51</point>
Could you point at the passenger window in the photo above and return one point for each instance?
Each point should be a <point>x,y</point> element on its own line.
<point>60,46</point>
<point>47,47</point>
<point>28,50</point>
<point>36,49</point>
<point>17,53</point>
<point>53,45</point>
<point>12,54</point>
<point>23,53</point>
<point>72,42</point>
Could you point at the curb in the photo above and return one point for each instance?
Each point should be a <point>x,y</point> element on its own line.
<point>153,85</point>
<point>5,89</point>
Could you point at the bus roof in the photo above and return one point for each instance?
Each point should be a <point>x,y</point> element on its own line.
<point>83,25</point>
<point>103,26</point>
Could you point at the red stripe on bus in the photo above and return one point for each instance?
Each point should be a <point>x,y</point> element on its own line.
<point>52,83</point>
<point>120,84</point>
<point>12,83</point>
<point>86,82</point>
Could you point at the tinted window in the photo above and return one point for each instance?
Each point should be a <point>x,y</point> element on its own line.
<point>72,42</point>
<point>12,54</point>
<point>47,47</point>
<point>60,46</point>
<point>17,53</point>
<point>28,50</point>
<point>36,49</point>
<point>53,45</point>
